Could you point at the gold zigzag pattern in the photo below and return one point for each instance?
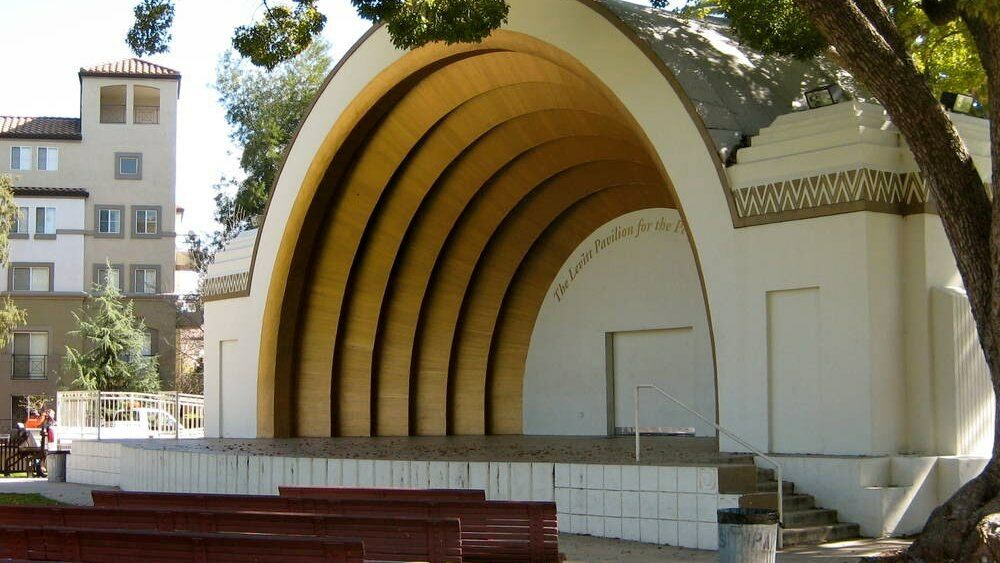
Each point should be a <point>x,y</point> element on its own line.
<point>846,186</point>
<point>223,285</point>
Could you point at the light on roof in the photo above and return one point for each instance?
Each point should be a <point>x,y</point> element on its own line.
<point>824,96</point>
<point>958,103</point>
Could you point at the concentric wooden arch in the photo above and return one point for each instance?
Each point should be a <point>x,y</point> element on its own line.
<point>453,189</point>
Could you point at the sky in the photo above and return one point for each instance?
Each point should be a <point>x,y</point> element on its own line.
<point>54,38</point>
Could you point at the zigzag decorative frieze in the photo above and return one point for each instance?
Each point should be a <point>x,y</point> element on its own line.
<point>846,186</point>
<point>225,285</point>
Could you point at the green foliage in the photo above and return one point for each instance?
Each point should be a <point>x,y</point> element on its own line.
<point>111,358</point>
<point>150,33</point>
<point>282,34</point>
<point>264,109</point>
<point>771,26</point>
<point>37,402</point>
<point>412,23</point>
<point>986,9</point>
<point>945,54</point>
<point>10,314</point>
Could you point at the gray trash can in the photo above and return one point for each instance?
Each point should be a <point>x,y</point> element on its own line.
<point>55,465</point>
<point>747,535</point>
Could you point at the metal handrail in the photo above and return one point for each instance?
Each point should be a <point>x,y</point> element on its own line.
<point>29,366</point>
<point>737,439</point>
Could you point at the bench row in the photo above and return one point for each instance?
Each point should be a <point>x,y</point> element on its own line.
<point>392,525</point>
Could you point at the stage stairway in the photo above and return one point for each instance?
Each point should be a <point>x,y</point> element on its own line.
<point>805,523</point>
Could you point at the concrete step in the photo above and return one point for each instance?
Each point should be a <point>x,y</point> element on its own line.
<point>797,502</point>
<point>787,488</point>
<point>809,517</point>
<point>814,535</point>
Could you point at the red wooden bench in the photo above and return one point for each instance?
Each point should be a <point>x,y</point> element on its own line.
<point>491,530</point>
<point>385,539</point>
<point>50,543</point>
<point>351,493</point>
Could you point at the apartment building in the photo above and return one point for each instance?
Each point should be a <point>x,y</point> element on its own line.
<point>96,198</point>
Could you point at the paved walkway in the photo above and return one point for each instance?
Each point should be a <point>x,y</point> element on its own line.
<point>578,549</point>
<point>601,550</point>
<point>69,493</point>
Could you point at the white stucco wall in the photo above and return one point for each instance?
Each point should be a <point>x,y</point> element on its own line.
<point>230,370</point>
<point>65,251</point>
<point>644,281</point>
<point>860,263</point>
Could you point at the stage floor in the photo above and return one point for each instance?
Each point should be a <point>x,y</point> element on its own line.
<point>656,450</point>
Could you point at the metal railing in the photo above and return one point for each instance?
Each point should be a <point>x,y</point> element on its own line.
<point>28,366</point>
<point>112,113</point>
<point>114,415</point>
<point>734,437</point>
<point>148,115</point>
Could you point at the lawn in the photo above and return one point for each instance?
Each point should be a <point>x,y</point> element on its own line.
<point>26,499</point>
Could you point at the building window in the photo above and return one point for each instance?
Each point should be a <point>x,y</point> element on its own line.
<point>30,277</point>
<point>146,108</point>
<point>113,104</point>
<point>102,273</point>
<point>20,158</point>
<point>109,221</point>
<point>128,166</point>
<point>147,221</point>
<point>48,158</point>
<point>149,342</point>
<point>144,280</point>
<point>30,355</point>
<point>45,220</point>
<point>20,226</point>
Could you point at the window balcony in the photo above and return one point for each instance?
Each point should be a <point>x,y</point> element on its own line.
<point>32,367</point>
<point>146,115</point>
<point>113,113</point>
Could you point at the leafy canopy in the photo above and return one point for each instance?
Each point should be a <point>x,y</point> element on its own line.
<point>943,51</point>
<point>937,39</point>
<point>282,34</point>
<point>412,23</point>
<point>263,109</point>
<point>150,34</point>
<point>111,355</point>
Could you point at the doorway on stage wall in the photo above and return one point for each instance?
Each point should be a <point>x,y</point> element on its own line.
<point>661,357</point>
<point>626,309</point>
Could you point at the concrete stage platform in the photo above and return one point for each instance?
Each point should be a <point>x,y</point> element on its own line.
<point>655,450</point>
<point>670,497</point>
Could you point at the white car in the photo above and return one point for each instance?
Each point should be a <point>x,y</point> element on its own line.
<point>140,423</point>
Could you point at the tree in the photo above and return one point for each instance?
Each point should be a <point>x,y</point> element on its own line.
<point>10,314</point>
<point>150,34</point>
<point>112,340</point>
<point>263,109</point>
<point>285,32</point>
<point>900,50</point>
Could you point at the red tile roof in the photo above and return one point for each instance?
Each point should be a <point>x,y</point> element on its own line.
<point>27,191</point>
<point>13,127</point>
<point>131,68</point>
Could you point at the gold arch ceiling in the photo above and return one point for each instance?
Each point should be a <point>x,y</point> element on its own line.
<point>430,243</point>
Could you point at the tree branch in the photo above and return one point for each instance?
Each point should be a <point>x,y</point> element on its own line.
<point>879,18</point>
<point>940,153</point>
<point>940,12</point>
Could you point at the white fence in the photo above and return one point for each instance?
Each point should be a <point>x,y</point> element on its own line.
<point>96,415</point>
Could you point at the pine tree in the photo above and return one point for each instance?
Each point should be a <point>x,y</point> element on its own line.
<point>111,355</point>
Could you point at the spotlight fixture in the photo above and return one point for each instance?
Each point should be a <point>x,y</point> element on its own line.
<point>958,103</point>
<point>824,96</point>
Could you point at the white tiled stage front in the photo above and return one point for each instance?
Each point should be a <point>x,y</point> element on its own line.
<point>663,503</point>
